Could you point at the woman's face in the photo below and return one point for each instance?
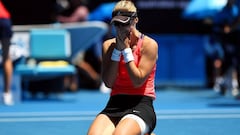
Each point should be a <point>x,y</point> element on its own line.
<point>123,28</point>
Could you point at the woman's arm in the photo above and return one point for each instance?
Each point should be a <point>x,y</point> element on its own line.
<point>109,67</point>
<point>149,54</point>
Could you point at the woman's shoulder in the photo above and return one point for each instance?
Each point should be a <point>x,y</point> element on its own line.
<point>149,47</point>
<point>109,41</point>
<point>148,41</point>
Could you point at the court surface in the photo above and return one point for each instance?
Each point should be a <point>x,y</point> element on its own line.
<point>180,111</point>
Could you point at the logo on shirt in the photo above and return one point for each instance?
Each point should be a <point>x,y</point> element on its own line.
<point>136,111</point>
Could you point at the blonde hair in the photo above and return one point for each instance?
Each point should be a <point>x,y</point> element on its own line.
<point>125,5</point>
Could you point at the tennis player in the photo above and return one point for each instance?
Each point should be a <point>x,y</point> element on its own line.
<point>129,65</point>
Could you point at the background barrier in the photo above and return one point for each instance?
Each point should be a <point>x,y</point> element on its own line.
<point>181,60</point>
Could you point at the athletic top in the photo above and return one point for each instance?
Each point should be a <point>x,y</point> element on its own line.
<point>3,11</point>
<point>123,84</point>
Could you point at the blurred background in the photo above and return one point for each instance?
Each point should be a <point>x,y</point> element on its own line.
<point>179,26</point>
<point>160,16</point>
<point>57,66</point>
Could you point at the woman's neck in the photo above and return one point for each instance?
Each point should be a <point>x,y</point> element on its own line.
<point>134,37</point>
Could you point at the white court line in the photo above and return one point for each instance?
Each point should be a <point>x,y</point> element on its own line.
<point>90,115</point>
<point>199,116</point>
<point>46,119</point>
<point>55,113</point>
<point>93,113</point>
<point>85,118</point>
<point>196,111</point>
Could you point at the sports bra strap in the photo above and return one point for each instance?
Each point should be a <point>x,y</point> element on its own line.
<point>140,41</point>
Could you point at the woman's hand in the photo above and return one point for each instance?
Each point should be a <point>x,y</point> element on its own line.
<point>123,38</point>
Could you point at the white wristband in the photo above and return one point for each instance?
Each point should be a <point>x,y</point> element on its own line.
<point>116,54</point>
<point>127,55</point>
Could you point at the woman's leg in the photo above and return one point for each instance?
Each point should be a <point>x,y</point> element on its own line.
<point>102,125</point>
<point>131,125</point>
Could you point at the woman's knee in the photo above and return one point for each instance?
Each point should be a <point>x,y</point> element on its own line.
<point>102,125</point>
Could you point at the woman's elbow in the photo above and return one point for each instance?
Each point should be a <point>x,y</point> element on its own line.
<point>107,83</point>
<point>137,84</point>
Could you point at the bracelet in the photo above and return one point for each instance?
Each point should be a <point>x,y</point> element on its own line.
<point>127,55</point>
<point>116,54</point>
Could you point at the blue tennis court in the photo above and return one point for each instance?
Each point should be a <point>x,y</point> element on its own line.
<point>180,111</point>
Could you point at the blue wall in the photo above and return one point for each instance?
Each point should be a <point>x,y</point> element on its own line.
<point>181,60</point>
